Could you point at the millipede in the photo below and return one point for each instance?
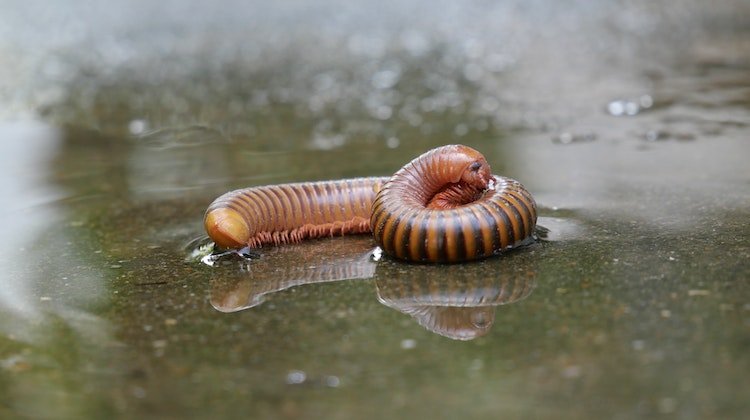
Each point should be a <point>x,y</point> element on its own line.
<point>444,206</point>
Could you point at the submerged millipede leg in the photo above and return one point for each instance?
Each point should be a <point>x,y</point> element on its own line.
<point>248,253</point>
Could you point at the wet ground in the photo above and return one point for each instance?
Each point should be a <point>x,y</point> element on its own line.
<point>629,122</point>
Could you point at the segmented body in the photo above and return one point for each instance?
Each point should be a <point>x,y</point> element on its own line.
<point>500,219</point>
<point>277,214</point>
<point>444,206</point>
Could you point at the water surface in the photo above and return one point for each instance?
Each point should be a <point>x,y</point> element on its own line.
<point>628,123</point>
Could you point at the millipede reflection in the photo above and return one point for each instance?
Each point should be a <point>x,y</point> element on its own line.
<point>457,302</point>
<point>287,267</point>
<point>454,303</point>
<point>443,206</point>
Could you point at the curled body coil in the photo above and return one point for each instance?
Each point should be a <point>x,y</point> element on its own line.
<point>443,206</point>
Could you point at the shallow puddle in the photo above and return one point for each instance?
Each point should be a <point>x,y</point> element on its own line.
<point>629,125</point>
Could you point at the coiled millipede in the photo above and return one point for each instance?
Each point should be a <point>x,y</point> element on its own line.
<point>444,206</point>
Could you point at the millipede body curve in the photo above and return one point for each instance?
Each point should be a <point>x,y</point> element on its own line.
<point>444,206</point>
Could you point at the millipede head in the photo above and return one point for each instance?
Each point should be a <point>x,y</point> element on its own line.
<point>477,174</point>
<point>471,165</point>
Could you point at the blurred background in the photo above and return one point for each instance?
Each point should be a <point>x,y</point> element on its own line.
<point>121,121</point>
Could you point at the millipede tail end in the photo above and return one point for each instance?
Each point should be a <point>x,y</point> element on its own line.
<point>227,228</point>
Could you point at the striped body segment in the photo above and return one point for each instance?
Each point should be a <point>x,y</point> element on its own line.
<point>444,206</point>
<point>277,214</point>
<point>502,218</point>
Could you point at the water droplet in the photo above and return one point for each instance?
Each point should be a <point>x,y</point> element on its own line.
<point>332,381</point>
<point>646,101</point>
<point>616,108</point>
<point>638,345</point>
<point>296,377</point>
<point>632,108</point>
<point>564,138</point>
<point>621,107</point>
<point>408,344</point>
<point>383,112</point>
<point>137,127</point>
<point>386,79</point>
<point>415,120</point>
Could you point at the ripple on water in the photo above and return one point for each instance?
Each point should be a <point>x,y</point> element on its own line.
<point>558,229</point>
